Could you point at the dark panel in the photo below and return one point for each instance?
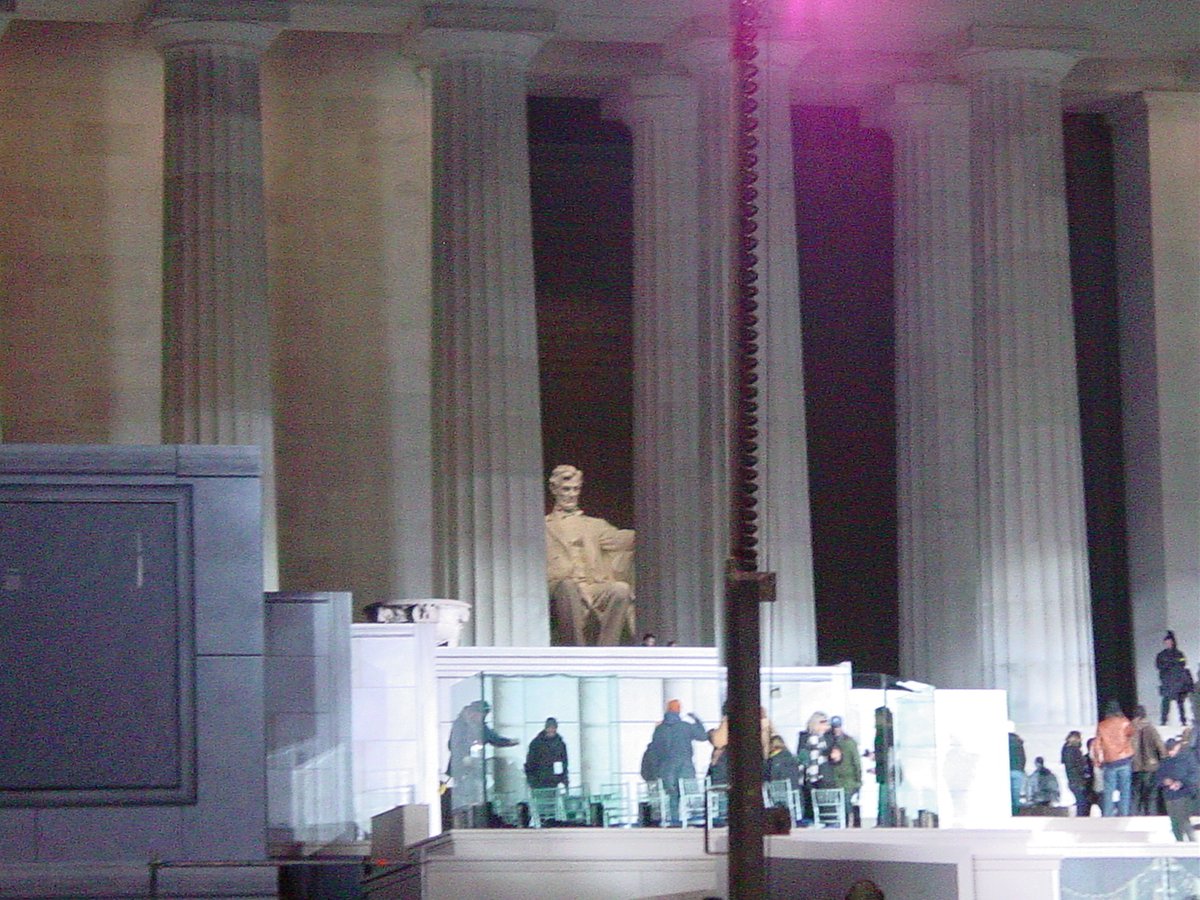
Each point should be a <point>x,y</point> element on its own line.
<point>844,231</point>
<point>833,877</point>
<point>1091,218</point>
<point>581,178</point>
<point>95,645</point>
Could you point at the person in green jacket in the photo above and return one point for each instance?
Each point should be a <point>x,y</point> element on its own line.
<point>848,770</point>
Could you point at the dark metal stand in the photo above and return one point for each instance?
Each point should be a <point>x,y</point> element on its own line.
<point>745,588</point>
<point>744,591</point>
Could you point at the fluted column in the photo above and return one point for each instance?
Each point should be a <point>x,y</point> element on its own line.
<point>216,370</point>
<point>489,489</point>
<point>7,7</point>
<point>706,52</point>
<point>1156,139</point>
<point>785,529</point>
<point>599,756</point>
<point>1036,616</point>
<point>935,387</point>
<point>662,116</point>
<point>510,719</point>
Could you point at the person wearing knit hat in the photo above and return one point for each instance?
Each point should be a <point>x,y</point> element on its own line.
<point>469,734</point>
<point>1174,679</point>
<point>546,761</point>
<point>669,755</point>
<point>847,773</point>
<point>1179,778</point>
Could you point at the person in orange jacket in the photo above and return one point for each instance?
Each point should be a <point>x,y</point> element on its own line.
<point>1113,752</point>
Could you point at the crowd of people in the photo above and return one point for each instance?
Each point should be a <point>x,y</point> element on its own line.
<point>1127,768</point>
<point>825,757</point>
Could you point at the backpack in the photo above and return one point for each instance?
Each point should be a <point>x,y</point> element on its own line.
<point>650,762</point>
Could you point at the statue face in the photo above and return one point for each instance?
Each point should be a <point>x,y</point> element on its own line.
<point>566,494</point>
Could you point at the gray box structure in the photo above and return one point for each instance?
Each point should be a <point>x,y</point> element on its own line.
<point>131,655</point>
<point>394,830</point>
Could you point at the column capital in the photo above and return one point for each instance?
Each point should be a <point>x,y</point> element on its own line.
<point>1186,103</point>
<point>998,49</point>
<point>784,49</point>
<point>452,33</point>
<point>248,25</point>
<point>702,44</point>
<point>925,103</point>
<point>631,103</point>
<point>1028,62</point>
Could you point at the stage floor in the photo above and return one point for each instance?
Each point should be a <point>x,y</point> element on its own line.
<point>1019,859</point>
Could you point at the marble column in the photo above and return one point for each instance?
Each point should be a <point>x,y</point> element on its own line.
<point>785,530</point>
<point>7,9</point>
<point>935,387</point>
<point>489,488</point>
<point>1036,617</point>
<point>705,51</point>
<point>508,776</point>
<point>662,114</point>
<point>216,370</point>
<point>1156,140</point>
<point>599,756</point>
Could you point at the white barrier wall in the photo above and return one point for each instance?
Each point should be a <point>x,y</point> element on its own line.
<point>972,751</point>
<point>395,720</point>
<point>310,799</point>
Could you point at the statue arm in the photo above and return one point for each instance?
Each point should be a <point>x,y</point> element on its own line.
<point>616,546</point>
<point>617,539</point>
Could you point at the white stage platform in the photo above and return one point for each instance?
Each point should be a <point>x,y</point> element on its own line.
<point>952,744</point>
<point>1022,859</point>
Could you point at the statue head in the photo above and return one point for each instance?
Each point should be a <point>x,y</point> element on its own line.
<point>565,484</point>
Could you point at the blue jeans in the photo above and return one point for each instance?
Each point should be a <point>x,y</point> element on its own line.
<point>1118,777</point>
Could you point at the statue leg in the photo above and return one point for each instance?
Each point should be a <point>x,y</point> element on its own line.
<point>613,602</point>
<point>570,611</point>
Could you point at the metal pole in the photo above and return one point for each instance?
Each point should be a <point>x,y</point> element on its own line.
<point>744,591</point>
<point>745,588</point>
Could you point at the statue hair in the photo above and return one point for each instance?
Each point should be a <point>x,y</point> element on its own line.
<point>562,474</point>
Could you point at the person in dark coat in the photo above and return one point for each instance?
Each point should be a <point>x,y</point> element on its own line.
<point>1078,772</point>
<point>546,760</point>
<point>885,767</point>
<point>1179,777</point>
<point>1174,679</point>
<point>671,750</point>
<point>1042,785</point>
<point>1016,767</point>
<point>817,754</point>
<point>468,736</point>
<point>1095,780</point>
<point>848,771</point>
<point>1196,705</point>
<point>1148,752</point>
<point>782,765</point>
